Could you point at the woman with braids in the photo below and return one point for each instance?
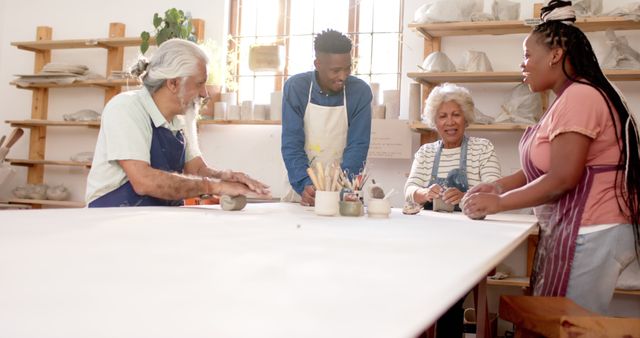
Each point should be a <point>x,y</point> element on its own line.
<point>579,169</point>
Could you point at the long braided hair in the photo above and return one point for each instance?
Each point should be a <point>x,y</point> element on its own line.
<point>557,30</point>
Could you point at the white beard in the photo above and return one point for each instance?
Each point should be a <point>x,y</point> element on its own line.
<point>191,128</point>
<point>191,110</point>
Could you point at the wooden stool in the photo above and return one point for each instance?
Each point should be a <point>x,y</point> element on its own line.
<point>561,317</point>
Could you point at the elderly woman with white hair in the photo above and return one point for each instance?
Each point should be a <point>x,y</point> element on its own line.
<point>447,168</point>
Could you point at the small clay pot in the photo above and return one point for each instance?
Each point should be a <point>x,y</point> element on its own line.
<point>351,208</point>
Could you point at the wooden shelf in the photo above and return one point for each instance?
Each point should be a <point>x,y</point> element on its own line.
<point>48,123</point>
<point>64,204</point>
<point>435,78</point>
<point>592,24</point>
<point>240,122</point>
<point>29,163</point>
<point>423,128</point>
<point>524,282</point>
<point>45,45</point>
<point>96,124</point>
<point>101,83</point>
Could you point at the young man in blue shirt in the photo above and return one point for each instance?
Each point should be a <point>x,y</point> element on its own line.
<point>326,117</point>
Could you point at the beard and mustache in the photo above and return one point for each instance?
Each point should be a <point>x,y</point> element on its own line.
<point>191,109</point>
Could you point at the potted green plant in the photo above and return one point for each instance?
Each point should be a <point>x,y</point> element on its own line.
<point>174,24</point>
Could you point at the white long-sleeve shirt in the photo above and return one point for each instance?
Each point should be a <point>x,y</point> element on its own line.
<point>482,164</point>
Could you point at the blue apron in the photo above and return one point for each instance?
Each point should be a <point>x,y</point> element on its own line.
<point>168,154</point>
<point>457,178</point>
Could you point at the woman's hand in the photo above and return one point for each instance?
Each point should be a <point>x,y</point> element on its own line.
<point>452,196</point>
<point>424,195</point>
<point>479,205</point>
<point>492,188</point>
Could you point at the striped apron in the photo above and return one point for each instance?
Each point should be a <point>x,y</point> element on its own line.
<point>559,223</point>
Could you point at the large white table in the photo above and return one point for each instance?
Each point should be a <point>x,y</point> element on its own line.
<point>271,270</point>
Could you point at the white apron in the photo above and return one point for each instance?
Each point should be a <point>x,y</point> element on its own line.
<point>325,136</point>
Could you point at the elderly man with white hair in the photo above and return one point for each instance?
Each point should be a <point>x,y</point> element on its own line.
<point>147,152</point>
<point>448,167</point>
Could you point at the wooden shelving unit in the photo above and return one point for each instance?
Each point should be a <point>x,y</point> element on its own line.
<point>96,124</point>
<point>423,128</point>
<point>437,30</point>
<point>426,78</point>
<point>240,122</point>
<point>99,83</point>
<point>28,163</point>
<point>59,204</point>
<point>47,45</point>
<point>38,123</point>
<point>434,32</point>
<point>32,123</point>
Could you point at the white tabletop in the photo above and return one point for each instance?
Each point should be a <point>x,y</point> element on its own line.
<point>271,270</point>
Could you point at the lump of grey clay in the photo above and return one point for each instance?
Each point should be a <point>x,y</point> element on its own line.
<point>440,205</point>
<point>230,203</point>
<point>376,192</point>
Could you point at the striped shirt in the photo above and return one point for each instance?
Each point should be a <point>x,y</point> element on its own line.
<point>482,164</point>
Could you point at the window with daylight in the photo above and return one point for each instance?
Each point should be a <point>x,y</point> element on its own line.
<point>286,28</point>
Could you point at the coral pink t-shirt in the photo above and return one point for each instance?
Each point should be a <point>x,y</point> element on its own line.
<point>581,109</point>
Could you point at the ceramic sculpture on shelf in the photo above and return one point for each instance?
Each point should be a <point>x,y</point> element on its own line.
<point>437,62</point>
<point>42,192</point>
<point>21,191</point>
<point>31,191</point>
<point>58,193</point>
<point>476,61</point>
<point>446,11</point>
<point>85,156</point>
<point>522,106</point>
<point>505,10</point>
<point>620,55</point>
<point>82,115</point>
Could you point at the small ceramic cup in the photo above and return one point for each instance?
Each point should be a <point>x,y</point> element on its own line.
<point>379,208</point>
<point>327,203</point>
<point>351,208</point>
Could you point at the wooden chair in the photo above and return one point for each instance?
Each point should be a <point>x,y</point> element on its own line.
<point>561,317</point>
